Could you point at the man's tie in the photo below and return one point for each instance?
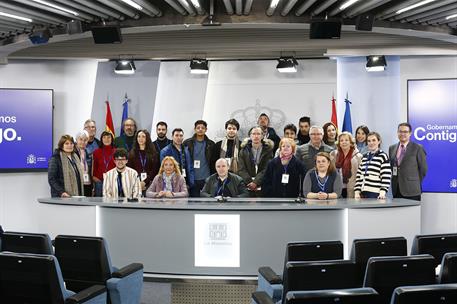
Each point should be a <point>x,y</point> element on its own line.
<point>402,154</point>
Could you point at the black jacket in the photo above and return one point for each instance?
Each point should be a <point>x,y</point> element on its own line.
<point>235,186</point>
<point>208,151</point>
<point>246,167</point>
<point>272,182</point>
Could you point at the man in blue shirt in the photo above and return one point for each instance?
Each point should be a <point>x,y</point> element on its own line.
<point>201,149</point>
<point>93,143</point>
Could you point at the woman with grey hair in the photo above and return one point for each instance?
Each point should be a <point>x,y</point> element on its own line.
<point>85,158</point>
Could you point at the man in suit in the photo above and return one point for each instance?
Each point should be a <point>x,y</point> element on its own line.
<point>409,165</point>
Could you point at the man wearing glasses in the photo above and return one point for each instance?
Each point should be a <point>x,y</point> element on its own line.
<point>121,181</point>
<point>409,165</point>
<point>307,152</point>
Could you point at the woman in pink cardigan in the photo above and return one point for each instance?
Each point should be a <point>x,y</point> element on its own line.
<point>169,182</point>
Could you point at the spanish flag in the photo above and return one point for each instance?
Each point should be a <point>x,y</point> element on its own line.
<point>109,126</point>
<point>334,118</point>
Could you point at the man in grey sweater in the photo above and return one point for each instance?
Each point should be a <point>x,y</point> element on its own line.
<point>307,152</point>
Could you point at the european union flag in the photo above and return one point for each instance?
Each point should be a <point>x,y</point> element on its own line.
<point>347,122</point>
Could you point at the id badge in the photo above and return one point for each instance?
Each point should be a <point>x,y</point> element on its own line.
<point>285,179</point>
<point>143,176</point>
<point>196,164</point>
<point>183,173</point>
<point>229,161</point>
<point>395,171</point>
<point>86,178</point>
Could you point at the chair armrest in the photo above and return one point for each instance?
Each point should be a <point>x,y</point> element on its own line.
<point>86,294</point>
<point>127,270</point>
<point>261,297</point>
<point>269,275</point>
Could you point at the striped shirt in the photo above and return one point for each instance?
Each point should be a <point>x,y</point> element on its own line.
<point>374,173</point>
<point>130,183</point>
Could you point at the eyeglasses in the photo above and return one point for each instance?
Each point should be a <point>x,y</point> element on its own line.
<point>120,159</point>
<point>403,132</point>
<point>315,134</point>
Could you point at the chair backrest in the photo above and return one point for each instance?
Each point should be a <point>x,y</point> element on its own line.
<point>314,251</point>
<point>22,242</point>
<point>435,244</point>
<point>84,261</point>
<point>448,273</point>
<point>339,296</point>
<point>442,293</point>
<point>384,274</point>
<point>363,249</point>
<point>333,274</point>
<point>29,278</point>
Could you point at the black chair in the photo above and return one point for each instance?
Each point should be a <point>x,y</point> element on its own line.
<point>384,274</point>
<point>339,296</point>
<point>23,242</point>
<point>435,244</point>
<point>316,275</point>
<point>271,283</point>
<point>448,272</point>
<point>429,294</point>
<point>85,261</point>
<point>30,278</point>
<point>363,249</point>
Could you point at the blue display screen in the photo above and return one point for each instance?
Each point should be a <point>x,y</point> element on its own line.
<point>432,112</point>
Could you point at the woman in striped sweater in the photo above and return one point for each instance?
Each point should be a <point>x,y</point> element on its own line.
<point>374,173</point>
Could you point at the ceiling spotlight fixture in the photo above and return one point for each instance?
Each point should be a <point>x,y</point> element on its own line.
<point>405,9</point>
<point>199,66</point>
<point>376,63</point>
<point>125,67</point>
<point>287,65</point>
<point>347,4</point>
<point>60,8</point>
<point>133,4</point>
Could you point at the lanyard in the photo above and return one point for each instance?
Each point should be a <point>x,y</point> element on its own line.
<point>106,162</point>
<point>143,161</point>
<point>370,158</point>
<point>255,157</point>
<point>320,184</point>
<point>285,168</point>
<point>220,190</point>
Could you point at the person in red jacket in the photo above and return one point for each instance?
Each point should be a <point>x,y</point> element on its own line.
<point>103,161</point>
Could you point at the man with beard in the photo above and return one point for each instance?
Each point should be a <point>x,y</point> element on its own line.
<point>127,139</point>
<point>93,143</point>
<point>162,141</point>
<point>303,130</point>
<point>228,147</point>
<point>264,121</point>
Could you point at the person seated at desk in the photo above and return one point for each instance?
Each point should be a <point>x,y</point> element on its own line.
<point>322,182</point>
<point>121,181</point>
<point>284,173</point>
<point>169,182</point>
<point>224,183</point>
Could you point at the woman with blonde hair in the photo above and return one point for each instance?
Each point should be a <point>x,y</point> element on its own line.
<point>347,159</point>
<point>322,182</point>
<point>169,182</point>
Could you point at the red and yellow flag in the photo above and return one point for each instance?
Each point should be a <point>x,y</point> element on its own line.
<point>109,126</point>
<point>334,119</point>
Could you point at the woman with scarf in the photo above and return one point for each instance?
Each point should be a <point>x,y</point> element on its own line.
<point>144,158</point>
<point>322,182</point>
<point>86,160</point>
<point>169,183</point>
<point>347,160</point>
<point>228,147</point>
<point>65,173</point>
<point>284,174</point>
<point>103,161</point>
<point>361,134</point>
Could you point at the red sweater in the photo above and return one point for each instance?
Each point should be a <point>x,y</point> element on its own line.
<point>103,161</point>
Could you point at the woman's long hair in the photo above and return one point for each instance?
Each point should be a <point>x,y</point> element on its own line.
<point>174,162</point>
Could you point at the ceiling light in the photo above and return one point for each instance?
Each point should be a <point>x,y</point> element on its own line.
<point>199,66</point>
<point>195,3</point>
<point>451,16</point>
<point>376,63</point>
<point>274,3</point>
<point>347,4</point>
<point>133,4</point>
<point>287,65</point>
<point>125,67</point>
<point>414,6</point>
<point>15,17</point>
<point>60,8</point>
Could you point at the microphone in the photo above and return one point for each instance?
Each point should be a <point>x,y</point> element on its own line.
<point>300,199</point>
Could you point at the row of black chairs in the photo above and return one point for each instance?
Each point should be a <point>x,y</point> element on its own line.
<point>35,264</point>
<point>319,265</point>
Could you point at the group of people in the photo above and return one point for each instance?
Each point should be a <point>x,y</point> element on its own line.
<point>313,161</point>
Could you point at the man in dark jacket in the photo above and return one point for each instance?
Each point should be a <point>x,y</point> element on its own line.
<point>255,154</point>
<point>224,183</point>
<point>181,154</point>
<point>270,133</point>
<point>201,149</point>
